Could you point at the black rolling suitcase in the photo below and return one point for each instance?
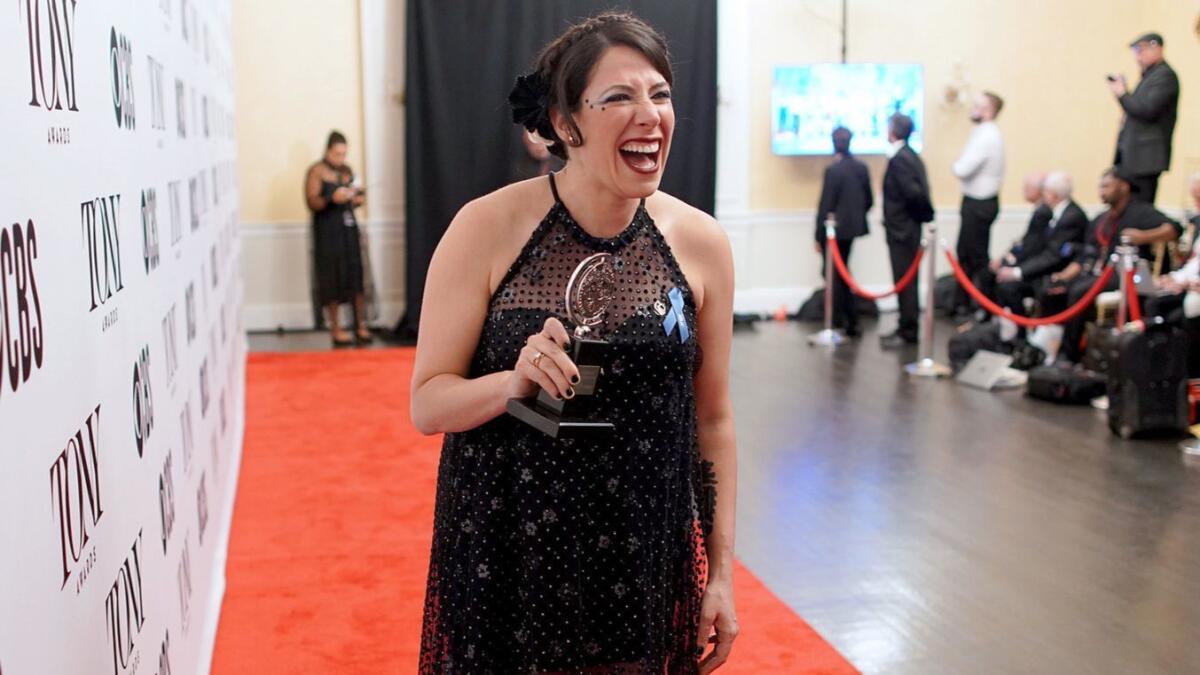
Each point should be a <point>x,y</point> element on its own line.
<point>1102,344</point>
<point>1147,382</point>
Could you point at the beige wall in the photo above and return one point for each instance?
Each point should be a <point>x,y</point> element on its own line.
<point>298,76</point>
<point>1047,59</point>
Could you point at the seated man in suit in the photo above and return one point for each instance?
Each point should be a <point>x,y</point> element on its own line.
<point>1136,222</point>
<point>845,195</point>
<point>1030,244</point>
<point>1043,251</point>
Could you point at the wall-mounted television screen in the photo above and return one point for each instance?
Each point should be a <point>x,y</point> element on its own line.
<point>808,102</point>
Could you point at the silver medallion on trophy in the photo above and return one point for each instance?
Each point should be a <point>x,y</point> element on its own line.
<point>591,289</point>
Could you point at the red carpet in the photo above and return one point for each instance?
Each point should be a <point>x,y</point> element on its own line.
<point>331,531</point>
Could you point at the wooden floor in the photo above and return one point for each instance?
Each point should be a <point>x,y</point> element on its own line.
<point>924,527</point>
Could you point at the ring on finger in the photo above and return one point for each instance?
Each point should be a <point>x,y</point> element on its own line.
<point>536,360</point>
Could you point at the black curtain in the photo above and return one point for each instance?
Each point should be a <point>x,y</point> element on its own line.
<point>462,58</point>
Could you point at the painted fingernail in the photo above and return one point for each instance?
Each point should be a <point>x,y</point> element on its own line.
<point>574,379</point>
<point>570,392</point>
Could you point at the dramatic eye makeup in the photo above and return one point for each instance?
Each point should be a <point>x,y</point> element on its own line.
<point>623,94</point>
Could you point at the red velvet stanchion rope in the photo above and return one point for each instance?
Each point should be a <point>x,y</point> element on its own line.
<point>908,278</point>
<point>1065,315</point>
<point>1135,307</point>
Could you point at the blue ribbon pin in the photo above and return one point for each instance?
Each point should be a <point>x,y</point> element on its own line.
<point>675,315</point>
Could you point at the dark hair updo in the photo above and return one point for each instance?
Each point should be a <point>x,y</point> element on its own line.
<point>335,138</point>
<point>561,71</point>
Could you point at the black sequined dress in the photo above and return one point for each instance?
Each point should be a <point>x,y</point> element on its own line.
<point>578,556</point>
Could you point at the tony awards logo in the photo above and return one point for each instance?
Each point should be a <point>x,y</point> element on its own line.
<point>158,116</point>
<point>125,610</point>
<point>180,108</point>
<point>176,214</point>
<point>204,388</point>
<point>50,44</point>
<point>188,435</point>
<point>183,575</point>
<point>170,346</point>
<point>75,499</point>
<point>150,229</point>
<point>21,329</point>
<point>202,508</point>
<point>164,656</point>
<point>102,244</point>
<point>189,308</point>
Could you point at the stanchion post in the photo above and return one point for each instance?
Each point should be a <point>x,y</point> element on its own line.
<point>829,337</point>
<point>926,365</point>
<point>1124,258</point>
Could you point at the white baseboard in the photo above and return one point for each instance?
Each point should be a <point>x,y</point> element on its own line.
<point>299,315</point>
<point>776,265</point>
<point>765,302</point>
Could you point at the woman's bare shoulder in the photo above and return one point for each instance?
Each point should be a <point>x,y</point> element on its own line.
<point>507,209</point>
<point>489,231</point>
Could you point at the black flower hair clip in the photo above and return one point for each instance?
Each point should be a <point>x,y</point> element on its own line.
<point>530,101</point>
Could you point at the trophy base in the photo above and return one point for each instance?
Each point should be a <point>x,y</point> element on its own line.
<point>554,424</point>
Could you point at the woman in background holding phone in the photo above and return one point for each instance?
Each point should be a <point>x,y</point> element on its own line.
<point>332,193</point>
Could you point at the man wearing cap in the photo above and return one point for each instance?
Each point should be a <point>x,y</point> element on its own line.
<point>1136,222</point>
<point>1144,143</point>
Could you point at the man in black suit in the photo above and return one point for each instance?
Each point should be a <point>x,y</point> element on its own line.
<point>1144,143</point>
<point>1030,244</point>
<point>1126,219</point>
<point>845,195</point>
<point>1047,248</point>
<point>906,206</point>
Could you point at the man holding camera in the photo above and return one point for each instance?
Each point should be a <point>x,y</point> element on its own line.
<point>1144,143</point>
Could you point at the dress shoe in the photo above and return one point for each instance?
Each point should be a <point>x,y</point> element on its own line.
<point>896,340</point>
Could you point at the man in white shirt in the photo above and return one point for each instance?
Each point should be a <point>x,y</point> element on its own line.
<point>980,171</point>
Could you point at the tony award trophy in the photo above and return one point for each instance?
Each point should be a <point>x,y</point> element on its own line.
<point>590,290</point>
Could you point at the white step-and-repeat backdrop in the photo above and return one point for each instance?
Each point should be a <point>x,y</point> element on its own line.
<point>122,355</point>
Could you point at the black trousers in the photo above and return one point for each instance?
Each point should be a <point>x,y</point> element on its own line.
<point>845,315</point>
<point>902,254</point>
<point>985,281</point>
<point>1147,188</point>
<point>974,239</point>
<point>1059,297</point>
<point>1012,294</point>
